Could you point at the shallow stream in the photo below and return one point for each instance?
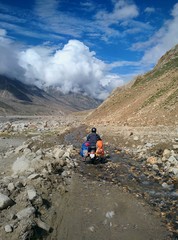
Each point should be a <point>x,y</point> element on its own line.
<point>134,177</point>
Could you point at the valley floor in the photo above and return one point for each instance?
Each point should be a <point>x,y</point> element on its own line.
<point>100,201</point>
<point>99,210</point>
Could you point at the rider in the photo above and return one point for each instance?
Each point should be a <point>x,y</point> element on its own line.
<point>92,138</point>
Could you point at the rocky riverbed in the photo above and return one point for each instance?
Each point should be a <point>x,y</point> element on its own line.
<point>48,192</point>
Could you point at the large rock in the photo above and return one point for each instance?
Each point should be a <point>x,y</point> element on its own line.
<point>58,153</point>
<point>32,194</point>
<point>25,213</point>
<point>22,164</point>
<point>8,228</point>
<point>5,201</point>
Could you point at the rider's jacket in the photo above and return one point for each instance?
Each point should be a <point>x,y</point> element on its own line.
<point>92,138</point>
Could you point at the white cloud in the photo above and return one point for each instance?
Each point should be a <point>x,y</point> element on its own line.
<point>163,40</point>
<point>46,8</point>
<point>149,10</point>
<point>52,18</point>
<point>3,32</point>
<point>73,68</point>
<point>87,5</point>
<point>49,20</point>
<point>9,57</point>
<point>174,12</point>
<point>122,11</point>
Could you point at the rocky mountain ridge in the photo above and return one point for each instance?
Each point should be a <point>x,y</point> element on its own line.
<point>19,98</point>
<point>150,100</point>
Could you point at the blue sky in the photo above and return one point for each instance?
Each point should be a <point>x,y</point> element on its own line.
<point>84,46</point>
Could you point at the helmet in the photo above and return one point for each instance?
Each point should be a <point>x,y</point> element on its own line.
<point>93,130</point>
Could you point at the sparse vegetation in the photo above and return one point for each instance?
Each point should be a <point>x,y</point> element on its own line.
<point>149,97</point>
<point>161,92</point>
<point>166,63</point>
<point>172,98</point>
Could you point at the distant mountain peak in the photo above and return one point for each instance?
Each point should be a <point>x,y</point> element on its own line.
<point>20,98</point>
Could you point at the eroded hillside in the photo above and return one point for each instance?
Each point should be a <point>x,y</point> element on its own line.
<point>152,99</point>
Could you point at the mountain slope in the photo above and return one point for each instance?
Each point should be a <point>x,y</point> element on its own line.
<point>19,98</point>
<point>152,99</point>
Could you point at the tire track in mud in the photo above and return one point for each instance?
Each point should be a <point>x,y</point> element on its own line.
<point>99,210</point>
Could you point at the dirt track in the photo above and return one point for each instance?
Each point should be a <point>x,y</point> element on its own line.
<point>94,210</point>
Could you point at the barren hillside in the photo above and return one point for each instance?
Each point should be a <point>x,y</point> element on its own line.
<point>152,99</point>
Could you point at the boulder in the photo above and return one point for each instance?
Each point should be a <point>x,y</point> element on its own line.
<point>25,213</point>
<point>5,201</point>
<point>32,194</point>
<point>11,187</point>
<point>58,153</point>
<point>8,228</point>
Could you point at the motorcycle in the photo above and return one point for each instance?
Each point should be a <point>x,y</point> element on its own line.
<point>93,154</point>
<point>93,157</point>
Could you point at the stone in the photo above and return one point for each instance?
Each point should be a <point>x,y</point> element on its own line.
<point>39,152</point>
<point>34,176</point>
<point>20,148</point>
<point>166,153</point>
<point>25,213</point>
<point>174,170</point>
<point>61,162</point>
<point>58,153</point>
<point>31,194</point>
<point>26,151</point>
<point>8,228</point>
<point>66,155</point>
<point>5,201</point>
<point>49,167</point>
<point>152,160</point>
<point>172,160</point>
<point>42,225</point>
<point>49,155</point>
<point>167,186</point>
<point>19,184</point>
<point>65,173</point>
<point>21,165</point>
<point>175,147</point>
<point>148,145</point>
<point>10,187</point>
<point>155,167</point>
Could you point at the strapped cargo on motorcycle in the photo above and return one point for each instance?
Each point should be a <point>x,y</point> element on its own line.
<point>100,148</point>
<point>84,149</point>
<point>93,154</point>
